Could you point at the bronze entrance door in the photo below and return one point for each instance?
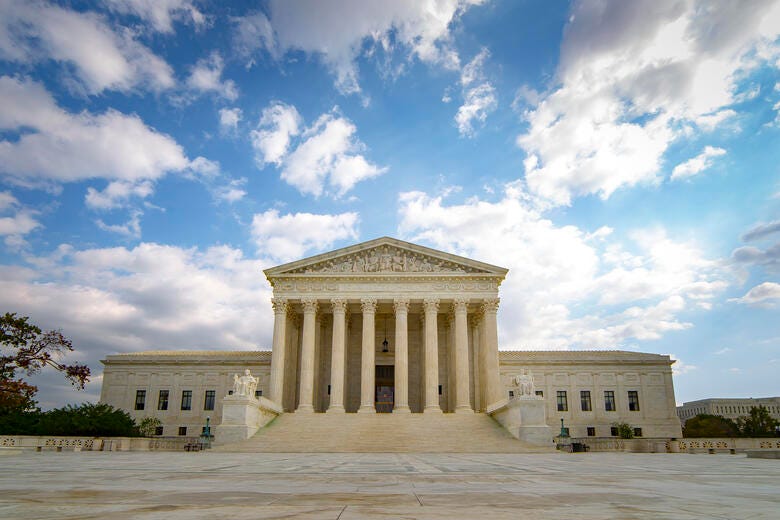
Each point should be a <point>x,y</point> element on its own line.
<point>385,388</point>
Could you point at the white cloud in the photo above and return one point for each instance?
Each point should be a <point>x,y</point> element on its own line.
<point>117,194</point>
<point>101,57</point>
<point>767,293</point>
<point>679,367</point>
<point>206,77</point>
<point>710,122</point>
<point>228,119</point>
<point>21,223</point>
<point>479,96</point>
<point>761,230</point>
<point>231,192</point>
<point>326,152</point>
<point>160,13</point>
<point>288,237</point>
<point>151,296</point>
<point>65,147</point>
<point>130,229</point>
<point>630,74</point>
<point>697,164</point>
<point>338,31</point>
<point>565,289</point>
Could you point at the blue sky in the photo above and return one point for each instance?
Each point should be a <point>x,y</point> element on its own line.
<point>620,158</point>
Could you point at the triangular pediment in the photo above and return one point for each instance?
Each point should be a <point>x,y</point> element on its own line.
<point>385,256</point>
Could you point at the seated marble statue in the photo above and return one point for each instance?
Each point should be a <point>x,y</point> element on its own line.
<point>245,385</point>
<point>525,384</point>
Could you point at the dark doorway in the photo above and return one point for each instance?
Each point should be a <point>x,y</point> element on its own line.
<point>385,388</point>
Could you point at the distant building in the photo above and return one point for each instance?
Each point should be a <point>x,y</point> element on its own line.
<point>730,408</point>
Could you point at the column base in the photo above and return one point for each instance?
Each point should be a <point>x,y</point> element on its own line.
<point>366,409</point>
<point>432,409</point>
<point>304,408</point>
<point>464,409</point>
<point>335,409</point>
<point>402,409</point>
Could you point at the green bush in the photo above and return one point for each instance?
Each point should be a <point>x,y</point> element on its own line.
<point>87,420</point>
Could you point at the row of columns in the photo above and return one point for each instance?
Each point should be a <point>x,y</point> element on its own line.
<point>488,371</point>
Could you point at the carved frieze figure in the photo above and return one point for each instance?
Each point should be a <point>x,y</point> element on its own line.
<point>525,384</point>
<point>245,385</point>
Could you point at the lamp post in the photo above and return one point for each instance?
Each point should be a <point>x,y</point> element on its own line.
<point>206,435</point>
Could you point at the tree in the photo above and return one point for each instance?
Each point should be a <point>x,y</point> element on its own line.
<point>758,424</point>
<point>89,420</point>
<point>149,426</point>
<point>26,348</point>
<point>705,425</point>
<point>624,430</point>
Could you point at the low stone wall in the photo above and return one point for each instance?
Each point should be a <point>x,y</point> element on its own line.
<point>651,445</point>
<point>65,443</point>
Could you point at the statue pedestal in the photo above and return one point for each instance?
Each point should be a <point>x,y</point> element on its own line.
<point>242,416</point>
<point>525,418</point>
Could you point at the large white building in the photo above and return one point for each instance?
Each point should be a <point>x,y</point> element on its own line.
<point>386,326</point>
<point>730,408</point>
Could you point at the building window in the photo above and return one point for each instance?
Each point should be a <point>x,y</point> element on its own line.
<point>563,404</point>
<point>162,400</point>
<point>585,401</point>
<point>182,430</point>
<point>186,400</point>
<point>259,393</point>
<point>209,402</point>
<point>439,389</point>
<point>637,432</point>
<point>609,400</point>
<point>633,400</point>
<point>511,394</point>
<point>158,430</point>
<point>591,431</point>
<point>613,431</point>
<point>540,393</point>
<point>140,399</point>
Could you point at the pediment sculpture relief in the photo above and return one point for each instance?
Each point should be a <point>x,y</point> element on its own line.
<point>386,259</point>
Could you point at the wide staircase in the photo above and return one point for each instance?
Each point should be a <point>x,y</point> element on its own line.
<point>383,433</point>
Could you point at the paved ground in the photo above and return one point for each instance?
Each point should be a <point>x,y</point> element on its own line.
<point>357,486</point>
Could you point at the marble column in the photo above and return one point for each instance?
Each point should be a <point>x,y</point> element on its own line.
<point>431,306</point>
<point>306,397</point>
<point>276,390</point>
<point>462,404</point>
<point>337,357</point>
<point>367,367</point>
<point>401,306</point>
<point>491,380</point>
<point>474,320</point>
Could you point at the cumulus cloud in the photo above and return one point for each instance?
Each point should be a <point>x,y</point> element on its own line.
<point>21,222</point>
<point>764,294</point>
<point>630,74</point>
<point>327,152</point>
<point>231,192</point>
<point>288,237</point>
<point>338,31</point>
<point>117,194</point>
<point>151,296</point>
<point>129,229</point>
<point>768,258</point>
<point>206,77</point>
<point>101,58</point>
<point>160,13</point>
<point>761,230</point>
<point>479,96</point>
<point>228,119</point>
<point>565,288</point>
<point>697,164</point>
<point>58,146</point>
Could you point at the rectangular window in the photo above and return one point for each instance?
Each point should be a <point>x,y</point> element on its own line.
<point>182,430</point>
<point>585,401</point>
<point>540,393</point>
<point>158,430</point>
<point>609,400</point>
<point>186,400</point>
<point>591,431</point>
<point>563,404</point>
<point>613,431</point>
<point>259,393</point>
<point>208,404</point>
<point>633,400</point>
<point>140,399</point>
<point>511,394</point>
<point>637,432</point>
<point>162,400</point>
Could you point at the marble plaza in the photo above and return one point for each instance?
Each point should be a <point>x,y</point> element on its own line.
<point>208,485</point>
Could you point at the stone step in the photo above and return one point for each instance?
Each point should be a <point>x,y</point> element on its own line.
<point>394,433</point>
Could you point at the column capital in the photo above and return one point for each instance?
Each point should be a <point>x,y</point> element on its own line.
<point>460,304</point>
<point>280,305</point>
<point>490,305</point>
<point>339,305</point>
<point>475,318</point>
<point>368,305</point>
<point>431,305</point>
<point>401,305</point>
<point>309,305</point>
